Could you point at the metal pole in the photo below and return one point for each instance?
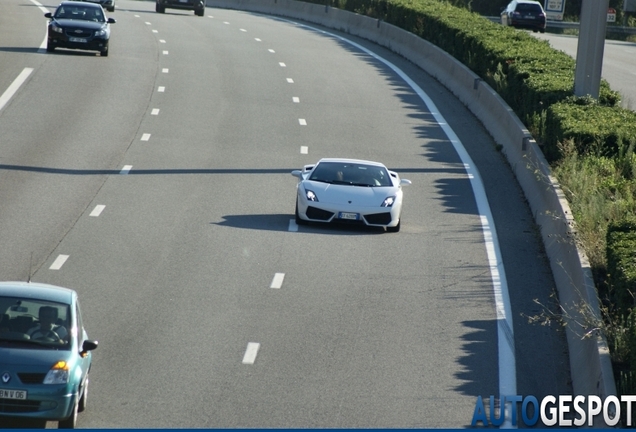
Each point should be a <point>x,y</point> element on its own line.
<point>589,54</point>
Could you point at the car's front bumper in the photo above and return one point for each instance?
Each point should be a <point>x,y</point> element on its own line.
<point>327,213</point>
<point>44,402</point>
<point>92,44</point>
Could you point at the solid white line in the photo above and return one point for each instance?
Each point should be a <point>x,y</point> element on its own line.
<point>97,210</point>
<point>155,111</point>
<point>277,282</point>
<point>296,99</point>
<point>161,89</point>
<point>250,352</point>
<point>59,262</point>
<point>505,333</point>
<point>145,137</point>
<point>14,86</point>
<point>282,64</point>
<point>125,170</point>
<point>304,150</point>
<point>289,80</point>
<point>293,226</point>
<point>302,122</point>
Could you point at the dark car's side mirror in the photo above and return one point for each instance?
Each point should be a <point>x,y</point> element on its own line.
<point>48,15</point>
<point>111,21</point>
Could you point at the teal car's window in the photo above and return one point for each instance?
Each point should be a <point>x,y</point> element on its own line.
<point>35,322</point>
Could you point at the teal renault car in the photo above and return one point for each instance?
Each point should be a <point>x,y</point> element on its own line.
<point>45,354</point>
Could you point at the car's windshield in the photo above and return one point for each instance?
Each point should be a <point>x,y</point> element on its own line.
<point>528,7</point>
<point>80,13</point>
<point>355,174</point>
<point>34,322</point>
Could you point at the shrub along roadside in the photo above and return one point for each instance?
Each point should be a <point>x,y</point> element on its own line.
<point>537,82</point>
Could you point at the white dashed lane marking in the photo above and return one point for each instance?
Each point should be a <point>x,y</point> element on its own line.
<point>289,80</point>
<point>304,150</point>
<point>250,352</point>
<point>302,122</point>
<point>162,41</point>
<point>59,262</point>
<point>296,99</point>
<point>271,50</point>
<point>165,53</point>
<point>282,64</point>
<point>164,70</point>
<point>277,282</point>
<point>155,111</point>
<point>145,137</point>
<point>97,210</point>
<point>155,31</point>
<point>243,30</point>
<point>161,89</point>
<point>125,170</point>
<point>257,40</point>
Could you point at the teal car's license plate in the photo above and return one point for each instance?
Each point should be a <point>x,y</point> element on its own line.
<point>13,394</point>
<point>349,216</point>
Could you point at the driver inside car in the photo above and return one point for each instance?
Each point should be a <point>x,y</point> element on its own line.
<point>46,328</point>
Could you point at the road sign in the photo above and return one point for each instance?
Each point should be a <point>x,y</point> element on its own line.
<point>611,15</point>
<point>554,9</point>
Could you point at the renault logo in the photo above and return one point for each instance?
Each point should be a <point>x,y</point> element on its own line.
<point>6,377</point>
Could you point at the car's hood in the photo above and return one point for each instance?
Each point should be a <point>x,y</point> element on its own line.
<point>31,357</point>
<point>345,194</point>
<point>82,24</point>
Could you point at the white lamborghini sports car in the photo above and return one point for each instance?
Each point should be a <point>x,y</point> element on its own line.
<point>351,191</point>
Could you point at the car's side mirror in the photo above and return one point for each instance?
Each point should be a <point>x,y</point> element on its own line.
<point>48,15</point>
<point>111,21</point>
<point>87,346</point>
<point>297,173</point>
<point>405,182</point>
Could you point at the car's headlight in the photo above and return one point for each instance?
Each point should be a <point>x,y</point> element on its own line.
<point>58,374</point>
<point>388,202</point>
<point>57,29</point>
<point>101,32</point>
<point>311,196</point>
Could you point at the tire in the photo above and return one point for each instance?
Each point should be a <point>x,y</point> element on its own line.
<point>395,228</point>
<point>111,9</point>
<point>50,47</point>
<point>299,221</point>
<point>81,405</point>
<point>71,422</point>
<point>199,12</point>
<point>104,53</point>
<point>159,8</point>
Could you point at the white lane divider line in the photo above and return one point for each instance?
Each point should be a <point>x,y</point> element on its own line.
<point>293,226</point>
<point>210,16</point>
<point>161,89</point>
<point>258,40</point>
<point>243,30</point>
<point>282,64</point>
<point>165,70</point>
<point>59,262</point>
<point>136,16</point>
<point>147,23</point>
<point>165,52</point>
<point>304,150</point>
<point>155,31</point>
<point>225,22</point>
<point>296,99</point>
<point>302,122</point>
<point>97,210</point>
<point>125,170</point>
<point>277,282</point>
<point>271,50</point>
<point>289,80</point>
<point>162,41</point>
<point>145,137</point>
<point>155,111</point>
<point>15,85</point>
<point>250,352</point>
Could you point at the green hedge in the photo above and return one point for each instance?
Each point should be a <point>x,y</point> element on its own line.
<point>621,263</point>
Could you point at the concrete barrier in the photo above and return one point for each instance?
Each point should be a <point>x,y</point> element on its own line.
<point>590,365</point>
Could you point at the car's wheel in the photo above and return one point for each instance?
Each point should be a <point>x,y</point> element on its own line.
<point>299,221</point>
<point>104,53</point>
<point>71,422</point>
<point>50,47</point>
<point>395,228</point>
<point>81,406</point>
<point>199,12</point>
<point>160,8</point>
<point>112,9</point>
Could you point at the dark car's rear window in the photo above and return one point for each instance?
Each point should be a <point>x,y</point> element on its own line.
<point>528,7</point>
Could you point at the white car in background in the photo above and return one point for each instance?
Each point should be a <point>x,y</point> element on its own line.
<point>349,191</point>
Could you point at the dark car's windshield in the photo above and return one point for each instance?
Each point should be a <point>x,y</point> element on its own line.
<point>80,13</point>
<point>355,174</point>
<point>28,321</point>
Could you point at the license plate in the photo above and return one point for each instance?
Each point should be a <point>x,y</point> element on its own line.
<point>350,216</point>
<point>530,17</point>
<point>13,394</point>
<point>183,1</point>
<point>74,39</point>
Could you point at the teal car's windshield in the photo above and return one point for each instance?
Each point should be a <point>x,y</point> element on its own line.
<point>34,322</point>
<point>80,13</point>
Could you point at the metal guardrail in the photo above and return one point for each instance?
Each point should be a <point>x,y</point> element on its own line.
<point>575,25</point>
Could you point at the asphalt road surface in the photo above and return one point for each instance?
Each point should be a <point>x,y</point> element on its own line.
<point>160,176</point>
